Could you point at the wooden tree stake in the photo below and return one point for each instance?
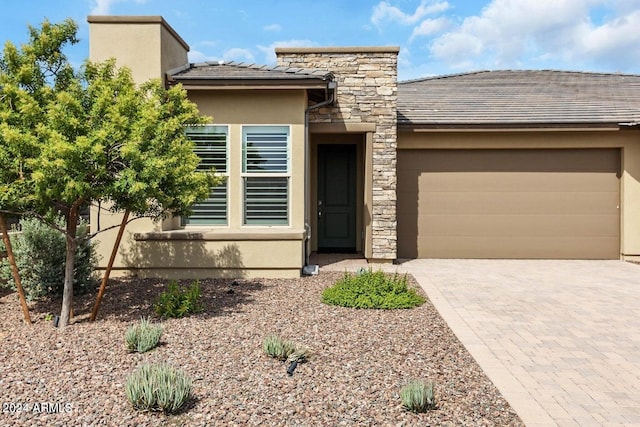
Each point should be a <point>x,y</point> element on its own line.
<point>107,272</point>
<point>14,269</point>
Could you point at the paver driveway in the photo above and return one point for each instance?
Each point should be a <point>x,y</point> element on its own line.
<point>560,339</point>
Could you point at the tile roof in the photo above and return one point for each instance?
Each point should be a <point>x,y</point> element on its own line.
<point>512,98</point>
<point>243,71</point>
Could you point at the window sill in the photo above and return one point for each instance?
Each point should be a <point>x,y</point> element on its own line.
<point>222,235</point>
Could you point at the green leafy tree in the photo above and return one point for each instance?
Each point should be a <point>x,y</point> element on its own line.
<point>97,137</point>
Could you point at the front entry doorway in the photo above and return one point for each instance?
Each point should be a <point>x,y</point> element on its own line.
<point>337,198</point>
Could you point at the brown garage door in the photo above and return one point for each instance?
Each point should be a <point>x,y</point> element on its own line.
<point>509,204</point>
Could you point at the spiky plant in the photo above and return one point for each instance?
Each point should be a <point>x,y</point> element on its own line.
<point>277,347</point>
<point>158,388</point>
<point>142,336</point>
<point>418,396</point>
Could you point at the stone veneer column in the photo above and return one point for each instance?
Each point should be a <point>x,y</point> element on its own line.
<point>367,92</point>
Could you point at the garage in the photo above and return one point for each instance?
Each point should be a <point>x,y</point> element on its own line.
<point>509,203</point>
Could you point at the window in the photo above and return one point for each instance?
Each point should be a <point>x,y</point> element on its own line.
<point>212,147</point>
<point>265,167</point>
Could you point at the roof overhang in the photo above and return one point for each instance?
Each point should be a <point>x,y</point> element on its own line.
<point>317,87</point>
<point>208,83</point>
<point>511,127</point>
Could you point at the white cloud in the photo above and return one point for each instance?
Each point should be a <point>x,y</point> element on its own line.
<point>103,7</point>
<point>195,56</point>
<point>507,32</point>
<point>429,27</point>
<point>269,51</point>
<point>238,54</point>
<point>272,27</point>
<point>234,54</point>
<point>383,11</point>
<point>617,39</point>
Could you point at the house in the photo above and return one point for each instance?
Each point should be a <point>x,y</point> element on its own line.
<point>326,151</point>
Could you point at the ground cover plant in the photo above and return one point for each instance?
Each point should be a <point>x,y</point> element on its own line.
<point>372,289</point>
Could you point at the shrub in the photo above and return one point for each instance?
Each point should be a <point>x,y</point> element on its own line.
<point>40,253</point>
<point>277,347</point>
<point>369,289</point>
<point>281,349</point>
<point>177,301</point>
<point>418,396</point>
<point>143,336</point>
<point>158,388</point>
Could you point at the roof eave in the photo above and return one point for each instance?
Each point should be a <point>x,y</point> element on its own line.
<point>523,126</point>
<point>232,83</point>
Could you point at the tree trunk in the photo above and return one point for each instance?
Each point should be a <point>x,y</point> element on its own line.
<point>14,268</point>
<point>67,293</point>
<point>107,272</point>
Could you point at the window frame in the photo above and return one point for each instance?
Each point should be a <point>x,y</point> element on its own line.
<point>216,129</point>
<point>247,174</point>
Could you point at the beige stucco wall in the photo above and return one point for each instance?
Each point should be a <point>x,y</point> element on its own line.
<point>145,44</point>
<point>211,255</point>
<point>627,140</point>
<point>258,107</point>
<point>168,250</point>
<point>234,250</point>
<point>150,47</point>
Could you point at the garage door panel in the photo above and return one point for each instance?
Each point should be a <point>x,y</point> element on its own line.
<point>502,248</point>
<point>524,226</point>
<point>518,203</point>
<point>525,160</point>
<point>525,181</point>
<point>509,203</point>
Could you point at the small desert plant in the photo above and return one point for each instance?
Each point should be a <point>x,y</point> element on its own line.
<point>158,388</point>
<point>142,336</point>
<point>418,396</point>
<point>300,355</point>
<point>177,301</point>
<point>369,289</point>
<point>277,347</point>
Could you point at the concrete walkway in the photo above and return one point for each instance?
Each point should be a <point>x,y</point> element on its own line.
<point>560,339</point>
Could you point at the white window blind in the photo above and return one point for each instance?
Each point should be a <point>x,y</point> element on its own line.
<point>265,152</point>
<point>211,145</point>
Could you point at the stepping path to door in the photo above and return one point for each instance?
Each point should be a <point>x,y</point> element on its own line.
<point>560,339</point>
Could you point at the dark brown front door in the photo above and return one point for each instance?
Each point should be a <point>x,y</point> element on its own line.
<point>336,198</point>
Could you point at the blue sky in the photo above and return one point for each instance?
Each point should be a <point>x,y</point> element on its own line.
<point>435,36</point>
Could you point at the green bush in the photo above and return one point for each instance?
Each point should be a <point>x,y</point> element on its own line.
<point>143,336</point>
<point>418,396</point>
<point>177,301</point>
<point>40,253</point>
<point>369,289</point>
<point>158,388</point>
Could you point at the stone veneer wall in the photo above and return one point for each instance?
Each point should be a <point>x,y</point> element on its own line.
<point>367,92</point>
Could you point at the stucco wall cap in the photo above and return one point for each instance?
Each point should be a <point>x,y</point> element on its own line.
<point>339,49</point>
<point>137,19</point>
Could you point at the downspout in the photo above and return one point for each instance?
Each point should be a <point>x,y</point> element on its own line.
<point>308,270</point>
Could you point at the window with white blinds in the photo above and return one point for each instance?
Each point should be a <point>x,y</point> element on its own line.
<point>265,167</point>
<point>211,145</point>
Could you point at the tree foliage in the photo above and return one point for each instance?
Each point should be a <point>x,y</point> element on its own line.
<point>73,138</point>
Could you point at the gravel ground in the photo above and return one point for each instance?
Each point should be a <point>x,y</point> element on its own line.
<point>361,359</point>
